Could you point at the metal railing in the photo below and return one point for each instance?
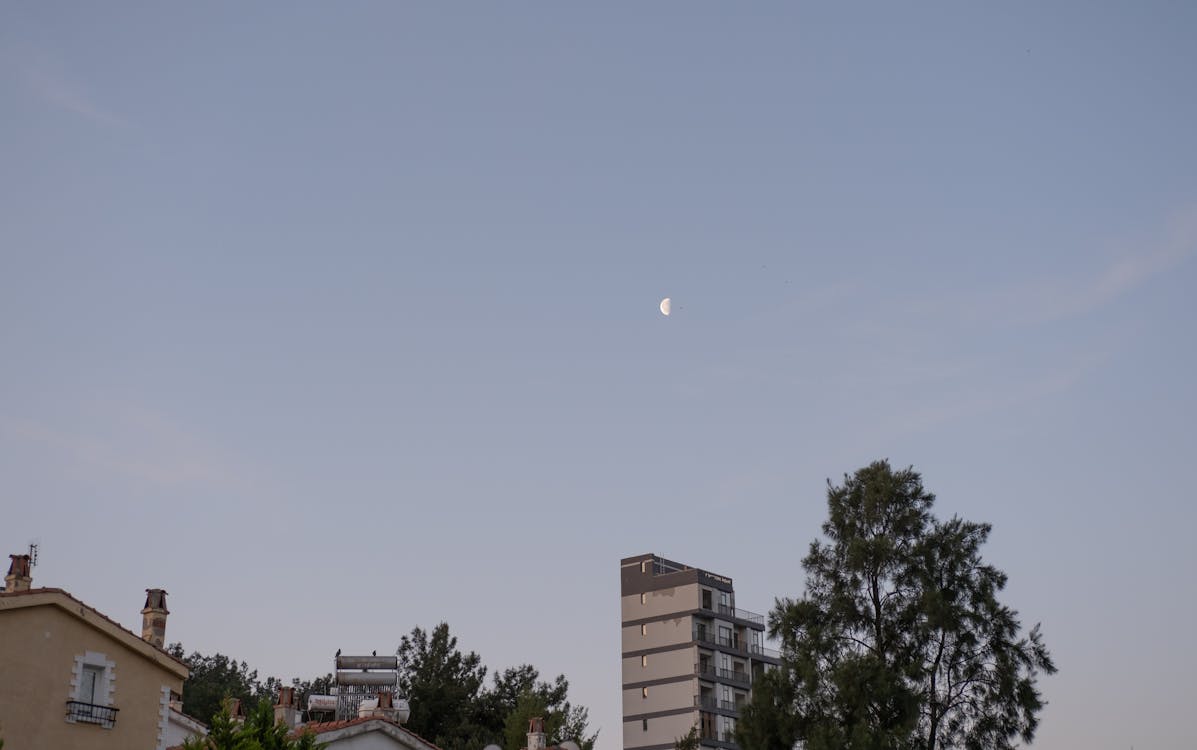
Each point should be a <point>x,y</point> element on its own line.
<point>760,650</point>
<point>727,736</point>
<point>90,713</point>
<point>729,675</point>
<point>734,643</point>
<point>712,704</point>
<point>733,675</point>
<point>741,614</point>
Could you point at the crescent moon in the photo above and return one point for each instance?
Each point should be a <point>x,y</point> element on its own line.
<point>666,305</point>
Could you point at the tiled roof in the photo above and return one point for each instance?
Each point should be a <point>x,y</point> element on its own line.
<point>94,611</point>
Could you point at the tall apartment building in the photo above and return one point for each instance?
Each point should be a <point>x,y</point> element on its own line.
<point>689,654</point>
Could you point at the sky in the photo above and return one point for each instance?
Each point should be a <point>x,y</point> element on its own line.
<point>339,320</point>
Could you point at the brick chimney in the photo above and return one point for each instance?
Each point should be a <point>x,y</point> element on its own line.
<point>236,712</point>
<point>536,734</point>
<point>18,578</point>
<point>285,709</point>
<point>153,617</point>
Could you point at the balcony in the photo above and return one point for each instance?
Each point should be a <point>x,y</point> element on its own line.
<point>768,653</point>
<point>710,704</point>
<point>90,713</point>
<point>741,614</point>
<point>737,676</point>
<point>726,644</point>
<point>724,739</point>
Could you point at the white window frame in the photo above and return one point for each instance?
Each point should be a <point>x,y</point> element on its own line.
<point>104,686</point>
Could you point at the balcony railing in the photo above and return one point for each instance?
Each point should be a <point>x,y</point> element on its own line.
<point>729,644</point>
<point>726,736</point>
<point>711,704</point>
<point>758,650</point>
<point>729,675</point>
<point>741,614</point>
<point>90,713</point>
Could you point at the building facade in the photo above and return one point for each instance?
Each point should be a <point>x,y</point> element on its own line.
<point>689,654</point>
<point>73,678</point>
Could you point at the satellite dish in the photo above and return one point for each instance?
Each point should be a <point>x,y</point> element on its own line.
<point>569,745</point>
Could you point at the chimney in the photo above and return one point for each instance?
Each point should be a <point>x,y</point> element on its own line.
<point>153,617</point>
<point>18,578</point>
<point>285,710</point>
<point>233,706</point>
<point>536,734</point>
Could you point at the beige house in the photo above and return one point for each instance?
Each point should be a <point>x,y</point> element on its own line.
<point>73,678</point>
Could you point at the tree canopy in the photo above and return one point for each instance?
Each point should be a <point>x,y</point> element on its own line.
<point>451,703</point>
<point>899,642</point>
<point>258,731</point>
<point>452,706</point>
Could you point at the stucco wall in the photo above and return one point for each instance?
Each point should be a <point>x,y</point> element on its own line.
<point>38,646</point>
<point>663,697</point>
<point>661,602</point>
<point>660,665</point>
<point>662,730</point>
<point>669,632</point>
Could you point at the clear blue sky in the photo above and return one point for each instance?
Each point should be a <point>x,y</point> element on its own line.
<point>338,320</point>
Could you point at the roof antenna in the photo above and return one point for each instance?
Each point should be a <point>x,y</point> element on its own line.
<point>32,554</point>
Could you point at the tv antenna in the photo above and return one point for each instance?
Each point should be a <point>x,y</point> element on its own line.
<point>32,554</point>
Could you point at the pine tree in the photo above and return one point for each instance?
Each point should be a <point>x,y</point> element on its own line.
<point>899,641</point>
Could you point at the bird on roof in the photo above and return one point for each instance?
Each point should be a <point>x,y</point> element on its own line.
<point>338,652</point>
<point>375,653</point>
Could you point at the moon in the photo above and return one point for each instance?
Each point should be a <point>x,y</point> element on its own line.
<point>666,306</point>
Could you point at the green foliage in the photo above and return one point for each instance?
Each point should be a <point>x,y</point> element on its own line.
<point>451,706</point>
<point>767,721</point>
<point>561,720</point>
<point>690,741</point>
<point>215,678</point>
<point>900,641</point>
<point>258,732</point>
<point>442,685</point>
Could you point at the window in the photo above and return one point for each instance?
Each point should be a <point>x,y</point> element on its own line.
<point>91,690</point>
<point>644,598</point>
<point>89,683</point>
<point>644,725</point>
<point>706,599</point>
<point>644,660</point>
<point>643,692</point>
<point>644,629</point>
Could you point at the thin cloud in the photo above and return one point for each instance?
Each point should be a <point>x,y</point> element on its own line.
<point>995,397</point>
<point>142,447</point>
<point>1061,298</point>
<point>56,89</point>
